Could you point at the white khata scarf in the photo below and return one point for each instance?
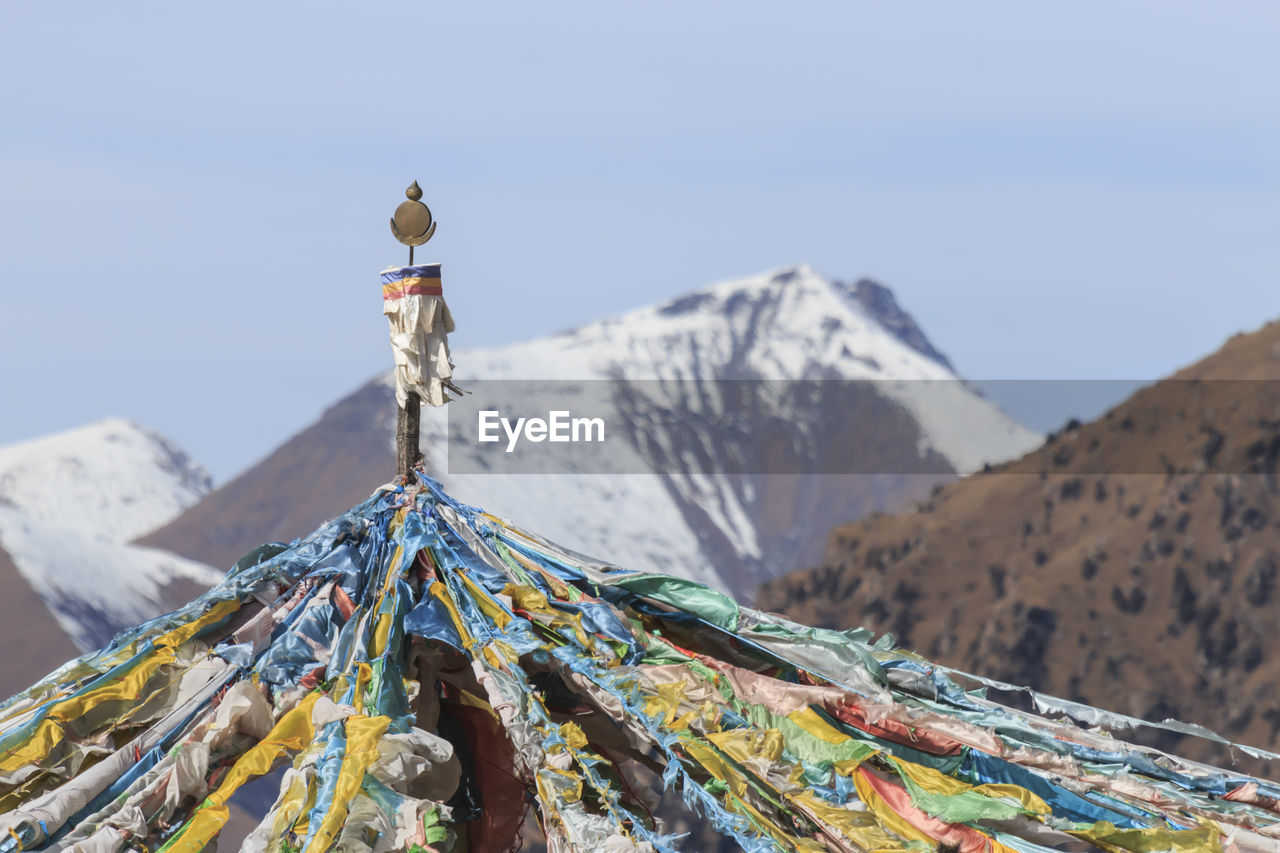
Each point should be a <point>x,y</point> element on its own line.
<point>413,300</point>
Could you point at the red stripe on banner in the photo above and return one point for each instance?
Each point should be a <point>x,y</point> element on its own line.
<point>389,293</point>
<point>424,290</point>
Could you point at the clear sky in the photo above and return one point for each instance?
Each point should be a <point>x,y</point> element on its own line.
<point>194,200</point>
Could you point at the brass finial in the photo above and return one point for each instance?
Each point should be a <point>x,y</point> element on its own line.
<point>412,223</point>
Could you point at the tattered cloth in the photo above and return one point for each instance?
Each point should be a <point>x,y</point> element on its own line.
<point>413,300</point>
<point>423,672</point>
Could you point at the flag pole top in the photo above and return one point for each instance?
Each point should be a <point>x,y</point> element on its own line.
<point>412,223</point>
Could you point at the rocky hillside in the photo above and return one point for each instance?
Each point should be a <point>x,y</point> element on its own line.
<point>911,424</point>
<point>1132,562</point>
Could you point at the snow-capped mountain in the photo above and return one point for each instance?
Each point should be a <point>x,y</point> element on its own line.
<point>916,421</point>
<point>787,325</point>
<point>69,505</point>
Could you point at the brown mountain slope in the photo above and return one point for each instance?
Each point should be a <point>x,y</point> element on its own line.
<point>319,473</point>
<point>1131,562</point>
<point>35,644</point>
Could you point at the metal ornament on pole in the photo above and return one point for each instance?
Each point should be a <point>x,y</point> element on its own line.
<point>412,225</point>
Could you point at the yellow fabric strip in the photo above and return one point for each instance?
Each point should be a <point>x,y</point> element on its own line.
<point>180,635</point>
<point>1029,800</point>
<point>471,700</point>
<point>383,621</point>
<point>485,602</point>
<point>529,599</point>
<point>859,827</point>
<point>715,764</point>
<point>685,720</point>
<point>49,732</point>
<point>381,633</point>
<point>936,782</point>
<point>394,569</point>
<point>129,687</point>
<point>441,594</point>
<point>363,734</point>
<point>397,521</point>
<point>291,733</point>
<point>573,735</point>
<point>808,719</point>
<point>664,701</point>
<point>364,675</point>
<point>1203,839</point>
<point>35,786</point>
<point>745,744</point>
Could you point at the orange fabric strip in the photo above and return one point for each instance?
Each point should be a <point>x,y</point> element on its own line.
<point>412,287</point>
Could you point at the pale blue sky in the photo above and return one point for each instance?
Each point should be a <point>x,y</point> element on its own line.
<point>193,204</point>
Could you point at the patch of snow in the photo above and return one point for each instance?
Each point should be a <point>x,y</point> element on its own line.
<point>719,501</point>
<point>113,478</point>
<point>94,586</point>
<point>960,425</point>
<point>69,505</point>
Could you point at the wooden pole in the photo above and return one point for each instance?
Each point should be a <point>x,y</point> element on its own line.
<point>413,226</point>
<point>407,453</point>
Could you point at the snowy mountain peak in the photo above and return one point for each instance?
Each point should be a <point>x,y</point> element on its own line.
<point>69,505</point>
<point>789,323</point>
<point>784,324</point>
<point>113,478</point>
<point>879,301</point>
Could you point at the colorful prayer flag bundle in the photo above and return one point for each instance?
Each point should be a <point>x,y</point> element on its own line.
<point>425,673</point>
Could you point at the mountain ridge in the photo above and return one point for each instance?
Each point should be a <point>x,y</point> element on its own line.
<point>784,324</point>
